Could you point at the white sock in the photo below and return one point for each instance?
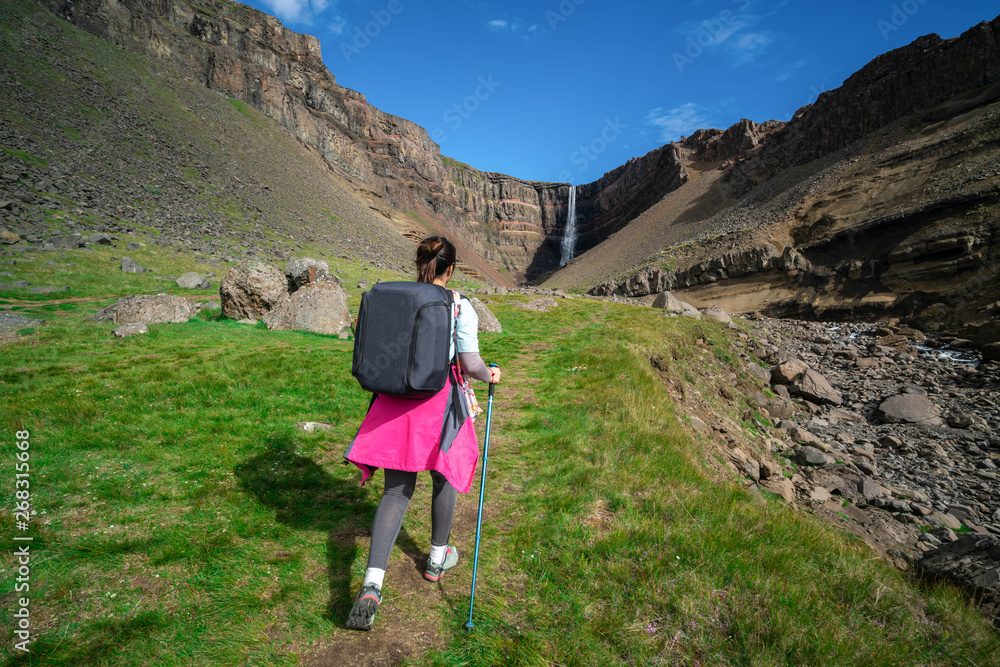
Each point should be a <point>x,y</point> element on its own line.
<point>374,575</point>
<point>437,554</point>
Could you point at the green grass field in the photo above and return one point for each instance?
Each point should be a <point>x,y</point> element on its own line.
<point>179,518</point>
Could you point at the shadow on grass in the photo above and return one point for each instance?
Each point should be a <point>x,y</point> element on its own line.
<point>304,496</point>
<point>97,641</point>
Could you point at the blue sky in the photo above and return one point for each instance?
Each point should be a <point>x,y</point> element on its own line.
<point>565,90</point>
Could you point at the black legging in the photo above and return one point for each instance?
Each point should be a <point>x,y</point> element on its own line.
<point>399,486</point>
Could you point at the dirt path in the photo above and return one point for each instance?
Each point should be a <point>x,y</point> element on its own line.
<point>413,614</point>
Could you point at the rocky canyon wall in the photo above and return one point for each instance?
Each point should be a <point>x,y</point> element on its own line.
<point>249,56</point>
<point>611,202</point>
<point>918,76</point>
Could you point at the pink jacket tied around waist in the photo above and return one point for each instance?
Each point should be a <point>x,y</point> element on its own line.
<point>434,433</point>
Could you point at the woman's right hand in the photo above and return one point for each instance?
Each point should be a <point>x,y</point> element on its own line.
<point>494,375</point>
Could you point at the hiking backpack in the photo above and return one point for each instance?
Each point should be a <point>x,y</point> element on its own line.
<point>402,339</point>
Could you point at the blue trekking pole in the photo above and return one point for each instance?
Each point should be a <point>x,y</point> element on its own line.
<point>482,493</point>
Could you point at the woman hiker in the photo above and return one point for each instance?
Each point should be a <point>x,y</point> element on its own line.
<point>404,436</point>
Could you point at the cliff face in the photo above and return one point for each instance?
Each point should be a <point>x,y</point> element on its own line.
<point>909,79</point>
<point>507,224</point>
<point>610,203</point>
<point>249,56</point>
<point>517,224</point>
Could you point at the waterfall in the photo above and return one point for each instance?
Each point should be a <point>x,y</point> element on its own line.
<point>569,233</point>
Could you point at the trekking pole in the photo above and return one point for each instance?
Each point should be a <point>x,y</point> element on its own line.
<point>482,493</point>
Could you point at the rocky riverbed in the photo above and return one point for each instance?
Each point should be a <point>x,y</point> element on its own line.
<point>892,434</point>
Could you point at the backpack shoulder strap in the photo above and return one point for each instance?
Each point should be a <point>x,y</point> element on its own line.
<point>456,310</point>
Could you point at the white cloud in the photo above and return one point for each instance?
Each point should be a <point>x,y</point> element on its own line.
<point>749,46</point>
<point>338,25</point>
<point>289,11</point>
<point>515,26</point>
<point>300,11</point>
<point>712,32</point>
<point>682,120</point>
<point>732,32</point>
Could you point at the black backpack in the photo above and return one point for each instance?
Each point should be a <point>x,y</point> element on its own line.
<point>402,338</point>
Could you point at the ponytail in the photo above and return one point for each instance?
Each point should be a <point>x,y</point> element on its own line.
<point>434,255</point>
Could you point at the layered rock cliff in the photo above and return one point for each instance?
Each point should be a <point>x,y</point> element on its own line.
<point>611,202</point>
<point>249,56</point>
<point>909,79</point>
<point>508,229</point>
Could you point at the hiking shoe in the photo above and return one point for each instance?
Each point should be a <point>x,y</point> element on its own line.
<point>434,572</point>
<point>362,615</point>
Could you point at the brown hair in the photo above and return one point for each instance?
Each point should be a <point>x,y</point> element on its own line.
<point>434,255</point>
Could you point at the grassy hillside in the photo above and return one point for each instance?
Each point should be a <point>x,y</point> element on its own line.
<point>179,518</point>
<point>98,138</point>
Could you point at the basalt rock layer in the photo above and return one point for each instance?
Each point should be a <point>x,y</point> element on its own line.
<point>921,75</point>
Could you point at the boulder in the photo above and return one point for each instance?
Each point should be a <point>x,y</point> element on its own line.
<point>963,420</point>
<point>781,486</point>
<point>251,289</point>
<point>12,322</point>
<point>780,408</point>
<point>67,241</point>
<point>129,265</point>
<point>972,563</point>
<point>847,482</point>
<point>147,309</point>
<point>760,373</point>
<point>126,330</point>
<point>671,304</point>
<point>908,409</point>
<point>820,494</point>
<point>8,238</point>
<point>100,239</point>
<point>319,307</point>
<point>667,301</point>
<point>717,314</point>
<point>812,386</point>
<point>488,322</point>
<point>304,270</point>
<point>810,456</point>
<point>788,371</point>
<point>804,437</point>
<point>745,464</point>
<point>193,280</point>
<point>690,311</point>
